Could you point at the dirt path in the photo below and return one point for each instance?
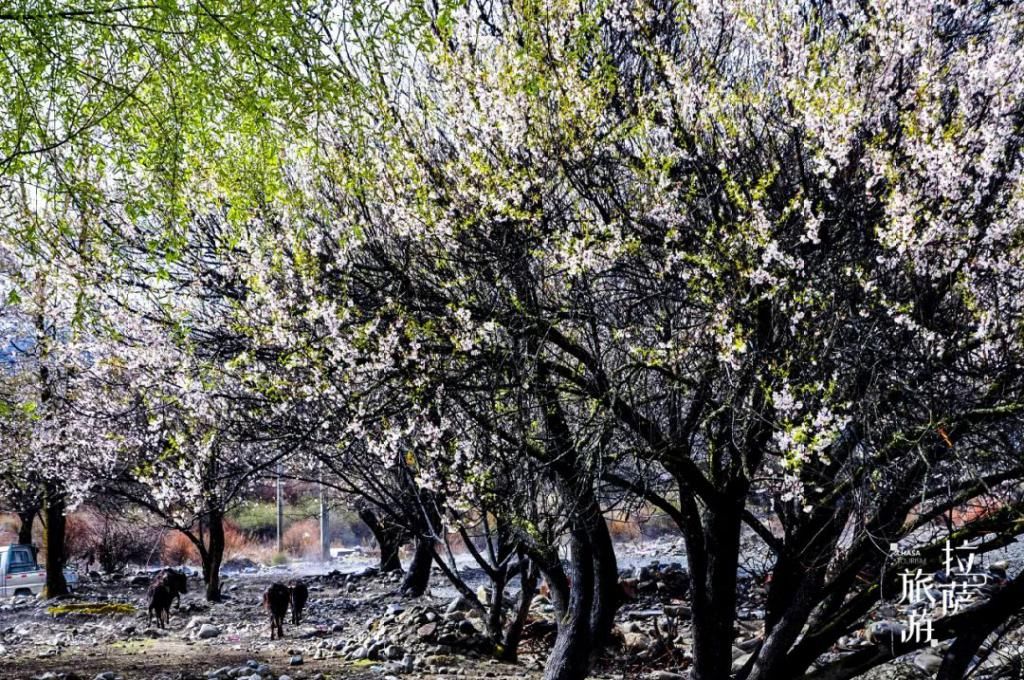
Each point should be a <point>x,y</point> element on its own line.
<point>36,640</point>
<point>171,659</point>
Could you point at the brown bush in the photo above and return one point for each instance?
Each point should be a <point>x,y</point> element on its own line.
<point>302,539</point>
<point>638,523</point>
<point>236,542</point>
<point>112,541</point>
<point>177,549</point>
<point>80,532</point>
<point>121,543</point>
<point>624,530</point>
<point>9,524</point>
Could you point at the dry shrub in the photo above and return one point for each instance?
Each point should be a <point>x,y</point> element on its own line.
<point>236,542</point>
<point>639,523</point>
<point>178,549</point>
<point>121,543</point>
<point>302,538</point>
<point>624,530</point>
<point>9,524</point>
<point>114,542</point>
<point>80,534</point>
<point>457,543</point>
<point>260,552</point>
<point>624,526</point>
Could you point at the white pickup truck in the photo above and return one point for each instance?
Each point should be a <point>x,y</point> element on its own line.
<point>20,574</point>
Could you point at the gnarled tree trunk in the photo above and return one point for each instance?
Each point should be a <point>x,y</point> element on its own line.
<point>593,577</point>
<point>212,554</point>
<point>514,633</point>
<point>606,582</point>
<point>418,577</point>
<point>388,540</point>
<point>27,518</point>
<point>570,657</point>
<point>713,557</point>
<point>53,541</point>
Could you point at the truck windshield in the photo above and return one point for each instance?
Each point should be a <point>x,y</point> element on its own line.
<point>20,561</point>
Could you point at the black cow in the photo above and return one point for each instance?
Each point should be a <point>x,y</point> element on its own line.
<point>275,601</point>
<point>160,596</point>
<point>299,595</point>
<point>175,581</point>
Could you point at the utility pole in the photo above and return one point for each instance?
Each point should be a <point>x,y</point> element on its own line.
<point>280,511</point>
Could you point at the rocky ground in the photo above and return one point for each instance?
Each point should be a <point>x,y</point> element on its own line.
<point>357,627</point>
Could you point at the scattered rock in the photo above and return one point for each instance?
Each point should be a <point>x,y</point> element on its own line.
<point>885,632</point>
<point>196,621</point>
<point>644,614</point>
<point>677,611</point>
<point>240,564</point>
<point>459,604</point>
<point>928,662</point>
<point>636,642</point>
<point>207,631</point>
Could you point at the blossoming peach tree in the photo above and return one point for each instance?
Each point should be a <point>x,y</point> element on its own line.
<point>766,249</point>
<point>536,255</point>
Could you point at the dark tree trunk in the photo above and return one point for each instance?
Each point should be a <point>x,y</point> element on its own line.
<point>606,582</point>
<point>213,556</point>
<point>528,580</point>
<point>496,604</point>
<point>796,590</point>
<point>53,541</point>
<point>27,518</point>
<point>418,577</point>
<point>713,557</point>
<point>771,660</point>
<point>388,540</point>
<point>570,657</point>
<point>558,583</point>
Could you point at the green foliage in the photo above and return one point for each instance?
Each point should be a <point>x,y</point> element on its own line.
<point>261,516</point>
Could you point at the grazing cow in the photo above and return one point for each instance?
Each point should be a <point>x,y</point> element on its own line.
<point>299,595</point>
<point>175,581</point>
<point>160,596</point>
<point>275,601</point>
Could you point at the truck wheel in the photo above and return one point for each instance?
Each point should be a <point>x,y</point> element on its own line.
<point>23,592</point>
